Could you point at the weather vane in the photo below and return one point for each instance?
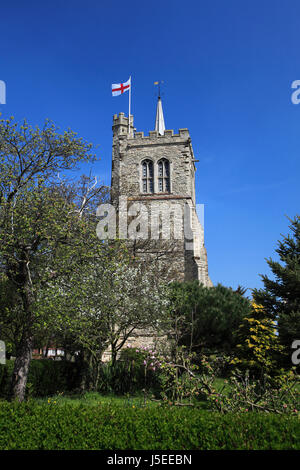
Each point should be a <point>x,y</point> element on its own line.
<point>159,82</point>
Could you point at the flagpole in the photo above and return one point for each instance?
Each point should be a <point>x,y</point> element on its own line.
<point>129,106</point>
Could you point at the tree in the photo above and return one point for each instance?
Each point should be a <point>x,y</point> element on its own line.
<point>108,300</point>
<point>207,317</point>
<point>258,347</point>
<point>75,295</point>
<point>36,222</point>
<point>8,305</point>
<point>280,297</point>
<point>134,300</point>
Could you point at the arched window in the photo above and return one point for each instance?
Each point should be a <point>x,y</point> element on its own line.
<point>164,176</point>
<point>147,176</point>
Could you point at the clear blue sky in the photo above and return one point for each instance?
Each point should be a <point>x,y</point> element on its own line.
<point>228,68</point>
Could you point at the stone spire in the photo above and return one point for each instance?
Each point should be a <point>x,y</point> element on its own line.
<point>159,121</point>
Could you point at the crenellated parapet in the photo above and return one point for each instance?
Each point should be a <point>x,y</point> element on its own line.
<point>120,128</point>
<point>182,134</point>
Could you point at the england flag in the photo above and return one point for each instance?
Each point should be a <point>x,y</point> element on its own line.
<point>120,88</point>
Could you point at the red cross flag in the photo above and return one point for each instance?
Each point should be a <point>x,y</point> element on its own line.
<point>120,88</point>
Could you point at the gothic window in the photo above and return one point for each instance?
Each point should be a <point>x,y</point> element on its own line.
<point>147,176</point>
<point>164,176</point>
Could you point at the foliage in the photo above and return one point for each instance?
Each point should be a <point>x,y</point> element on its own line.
<point>184,383</point>
<point>39,217</point>
<point>258,349</point>
<point>45,378</point>
<point>65,285</point>
<point>177,380</point>
<point>133,355</point>
<point>121,378</point>
<point>207,317</point>
<point>107,427</point>
<point>280,296</point>
<point>135,371</point>
<point>243,393</point>
<point>106,302</point>
<point>133,297</point>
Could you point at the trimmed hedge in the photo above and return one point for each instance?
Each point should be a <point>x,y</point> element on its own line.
<point>46,377</point>
<point>48,426</point>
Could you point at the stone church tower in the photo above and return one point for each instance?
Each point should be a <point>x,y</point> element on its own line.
<point>155,174</point>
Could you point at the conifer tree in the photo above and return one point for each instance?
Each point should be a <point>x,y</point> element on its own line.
<point>280,296</point>
<point>258,345</point>
<point>207,318</point>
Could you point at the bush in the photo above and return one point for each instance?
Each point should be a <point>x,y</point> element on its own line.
<point>121,378</point>
<point>5,375</point>
<point>45,377</point>
<point>128,374</point>
<point>49,426</point>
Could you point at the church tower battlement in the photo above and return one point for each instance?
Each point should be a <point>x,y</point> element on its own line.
<point>156,170</point>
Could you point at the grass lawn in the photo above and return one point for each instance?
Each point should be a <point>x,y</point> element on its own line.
<point>127,401</point>
<point>97,399</point>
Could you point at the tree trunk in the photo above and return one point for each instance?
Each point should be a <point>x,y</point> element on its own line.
<point>85,365</point>
<point>113,355</point>
<point>25,345</point>
<point>21,368</point>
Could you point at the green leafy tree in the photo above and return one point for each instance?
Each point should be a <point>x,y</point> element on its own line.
<point>36,220</point>
<point>127,295</point>
<point>101,294</point>
<point>109,297</point>
<point>280,297</point>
